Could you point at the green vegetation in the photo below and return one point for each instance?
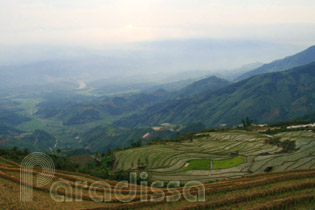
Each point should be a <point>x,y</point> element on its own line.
<point>203,86</point>
<point>100,167</point>
<point>235,153</point>
<point>17,155</point>
<point>10,117</point>
<point>78,121</point>
<point>9,131</point>
<point>305,57</point>
<point>287,145</point>
<point>204,164</point>
<point>229,163</point>
<point>264,98</point>
<point>246,122</point>
<point>193,127</point>
<point>281,190</point>
<point>309,117</point>
<point>102,138</point>
<point>14,154</point>
<point>74,110</point>
<point>200,164</point>
<point>39,140</point>
<point>288,123</point>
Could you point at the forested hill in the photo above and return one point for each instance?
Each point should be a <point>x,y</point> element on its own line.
<point>305,57</point>
<point>206,85</point>
<point>265,98</point>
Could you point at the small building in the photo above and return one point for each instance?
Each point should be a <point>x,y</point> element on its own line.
<point>268,169</point>
<point>267,141</point>
<point>141,167</point>
<point>233,154</point>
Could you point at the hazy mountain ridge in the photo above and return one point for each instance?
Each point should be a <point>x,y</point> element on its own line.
<point>209,100</point>
<point>299,59</point>
<point>202,86</point>
<point>264,98</point>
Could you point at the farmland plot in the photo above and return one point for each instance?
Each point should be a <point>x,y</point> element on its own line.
<point>191,160</point>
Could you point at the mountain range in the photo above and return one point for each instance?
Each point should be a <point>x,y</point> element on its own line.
<point>100,122</point>
<point>299,59</point>
<point>264,98</point>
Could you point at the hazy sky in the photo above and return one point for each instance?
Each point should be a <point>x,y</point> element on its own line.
<point>101,22</point>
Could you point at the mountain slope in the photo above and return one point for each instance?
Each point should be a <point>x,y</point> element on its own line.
<point>231,75</point>
<point>102,138</point>
<point>39,140</point>
<point>305,57</point>
<point>80,112</point>
<point>264,98</point>
<point>202,86</point>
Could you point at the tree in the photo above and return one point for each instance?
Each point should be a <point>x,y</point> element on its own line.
<point>138,143</point>
<point>96,159</point>
<point>247,122</point>
<point>26,151</point>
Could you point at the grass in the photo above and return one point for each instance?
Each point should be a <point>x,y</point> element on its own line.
<point>199,164</point>
<point>204,164</point>
<point>229,163</point>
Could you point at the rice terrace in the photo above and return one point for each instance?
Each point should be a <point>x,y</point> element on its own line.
<point>235,161</point>
<point>212,156</point>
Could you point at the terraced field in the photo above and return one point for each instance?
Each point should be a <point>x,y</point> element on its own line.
<point>293,189</point>
<point>211,152</point>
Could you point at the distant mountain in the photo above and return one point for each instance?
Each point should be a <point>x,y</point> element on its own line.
<point>143,62</point>
<point>264,98</point>
<point>75,113</point>
<point>102,138</point>
<point>173,86</point>
<point>85,112</point>
<point>309,117</point>
<point>11,117</point>
<point>9,131</point>
<point>39,140</point>
<point>305,57</point>
<point>231,75</point>
<point>202,86</point>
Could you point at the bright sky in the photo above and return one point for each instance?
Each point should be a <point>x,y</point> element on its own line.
<point>95,22</point>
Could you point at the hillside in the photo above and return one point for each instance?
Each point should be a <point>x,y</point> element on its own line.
<point>212,156</point>
<point>102,138</point>
<point>264,98</point>
<point>9,131</point>
<point>203,86</point>
<point>10,117</point>
<point>309,117</point>
<point>38,140</point>
<point>305,57</point>
<point>75,111</point>
<point>291,189</point>
<point>231,75</point>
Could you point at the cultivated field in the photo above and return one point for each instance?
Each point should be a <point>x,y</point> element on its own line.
<point>219,155</point>
<point>276,190</point>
